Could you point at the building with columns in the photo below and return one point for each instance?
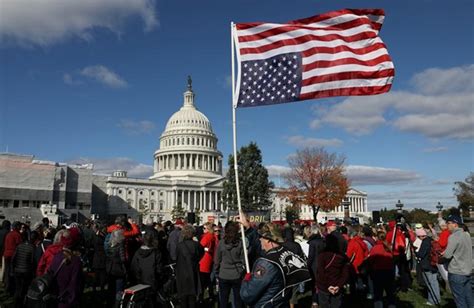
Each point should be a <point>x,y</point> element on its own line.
<point>187,171</point>
<point>357,208</point>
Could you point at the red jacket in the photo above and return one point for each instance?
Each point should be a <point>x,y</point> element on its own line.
<point>208,242</point>
<point>47,258</point>
<point>379,258</point>
<point>399,247</point>
<point>443,239</point>
<point>357,251</point>
<point>126,233</point>
<point>12,240</point>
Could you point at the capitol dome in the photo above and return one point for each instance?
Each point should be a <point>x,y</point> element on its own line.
<point>188,146</point>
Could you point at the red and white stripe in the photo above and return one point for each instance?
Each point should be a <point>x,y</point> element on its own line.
<point>342,53</point>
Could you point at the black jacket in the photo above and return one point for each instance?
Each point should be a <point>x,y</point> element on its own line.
<point>147,267</point>
<point>98,258</point>
<point>423,255</point>
<point>316,246</point>
<point>115,265</point>
<point>229,261</point>
<point>24,259</point>
<point>188,255</point>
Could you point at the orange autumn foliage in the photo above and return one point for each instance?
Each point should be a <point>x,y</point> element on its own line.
<point>316,178</point>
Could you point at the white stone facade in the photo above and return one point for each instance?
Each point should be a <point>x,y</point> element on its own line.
<point>358,208</point>
<point>187,172</point>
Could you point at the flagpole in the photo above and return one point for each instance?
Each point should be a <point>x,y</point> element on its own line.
<point>236,165</point>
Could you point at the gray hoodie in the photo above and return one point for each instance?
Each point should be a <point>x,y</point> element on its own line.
<point>229,262</point>
<point>459,251</point>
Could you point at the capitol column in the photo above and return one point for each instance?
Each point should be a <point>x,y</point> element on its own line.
<point>205,207</point>
<point>189,200</point>
<point>194,201</point>
<point>201,201</point>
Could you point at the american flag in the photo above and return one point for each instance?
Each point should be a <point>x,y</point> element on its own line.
<point>334,54</point>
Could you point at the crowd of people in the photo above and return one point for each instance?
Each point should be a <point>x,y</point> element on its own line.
<point>332,263</point>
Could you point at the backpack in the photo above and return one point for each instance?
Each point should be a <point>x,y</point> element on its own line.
<point>39,292</point>
<point>435,253</point>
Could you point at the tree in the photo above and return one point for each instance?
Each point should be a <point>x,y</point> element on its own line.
<point>316,178</point>
<point>292,213</point>
<point>420,216</point>
<point>388,215</point>
<point>464,192</point>
<point>177,211</point>
<point>255,188</point>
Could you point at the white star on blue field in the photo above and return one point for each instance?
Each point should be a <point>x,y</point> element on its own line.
<point>96,81</point>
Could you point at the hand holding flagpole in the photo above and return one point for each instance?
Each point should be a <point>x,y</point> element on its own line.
<point>236,165</point>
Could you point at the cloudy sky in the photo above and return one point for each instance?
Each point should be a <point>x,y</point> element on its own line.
<point>96,80</point>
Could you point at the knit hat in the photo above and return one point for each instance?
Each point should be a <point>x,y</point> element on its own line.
<point>179,223</point>
<point>418,226</point>
<point>420,232</point>
<point>271,232</point>
<point>330,223</point>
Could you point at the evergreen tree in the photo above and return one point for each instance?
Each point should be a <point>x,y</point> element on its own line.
<point>253,180</point>
<point>177,211</point>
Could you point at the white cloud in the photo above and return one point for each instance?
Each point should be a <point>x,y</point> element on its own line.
<point>439,81</point>
<point>276,170</point>
<point>443,182</point>
<point>435,150</point>
<point>363,175</point>
<point>46,22</point>
<point>104,75</point>
<point>439,106</point>
<point>425,197</point>
<point>396,184</point>
<point>109,165</point>
<point>368,175</point>
<point>68,79</point>
<point>300,141</point>
<point>136,127</point>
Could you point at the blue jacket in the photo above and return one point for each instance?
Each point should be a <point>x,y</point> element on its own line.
<point>265,287</point>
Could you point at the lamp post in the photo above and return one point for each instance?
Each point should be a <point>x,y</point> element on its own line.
<point>346,203</point>
<point>439,207</point>
<point>399,206</point>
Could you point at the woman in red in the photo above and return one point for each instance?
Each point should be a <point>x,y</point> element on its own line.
<point>382,271</point>
<point>208,242</point>
<point>357,252</point>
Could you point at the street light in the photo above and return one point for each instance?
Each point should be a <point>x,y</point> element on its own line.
<point>439,207</point>
<point>399,206</point>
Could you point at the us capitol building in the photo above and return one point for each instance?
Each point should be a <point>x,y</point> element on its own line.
<point>187,173</point>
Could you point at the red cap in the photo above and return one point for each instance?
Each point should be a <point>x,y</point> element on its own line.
<point>179,223</point>
<point>330,223</point>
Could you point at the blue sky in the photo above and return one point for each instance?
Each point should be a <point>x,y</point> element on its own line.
<point>96,81</point>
